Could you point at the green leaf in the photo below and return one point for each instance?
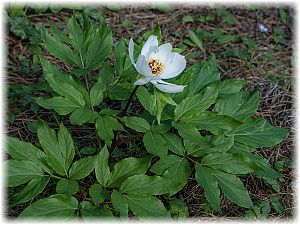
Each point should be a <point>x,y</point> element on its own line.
<point>65,80</point>
<point>105,125</point>
<point>126,168</point>
<point>66,146</point>
<point>67,187</point>
<point>120,91</point>
<point>33,189</point>
<point>126,23</point>
<point>209,183</point>
<point>249,42</point>
<point>113,123</point>
<point>178,174</point>
<point>160,166</point>
<point>276,204</point>
<point>178,209</point>
<point>136,123</point>
<point>240,53</point>
<point>145,99</point>
<point>274,184</point>
<point>187,19</point>
<point>226,162</point>
<point>260,211</point>
<point>259,164</point>
<point>211,144</point>
<point>144,185</point>
<point>110,112</point>
<point>21,150</point>
<point>259,133</point>
<point>20,172</point>
<point>60,50</point>
<point>82,168</point>
<point>17,10</point>
<point>59,34</point>
<point>99,47</point>
<point>18,26</point>
<point>102,169</point>
<point>175,169</point>
<point>166,98</point>
<point>265,208</point>
<point>195,104</point>
<point>56,206</point>
<point>161,128</point>
<point>162,7</point>
<point>213,122</point>
<point>88,150</point>
<point>195,39</point>
<point>283,15</point>
<point>76,36</point>
<point>119,202</point>
<point>65,89</point>
<point>113,7</point>
<point>226,16</point>
<point>120,57</point>
<point>155,144</point>
<point>156,32</point>
<point>231,86</point>
<point>223,39</point>
<point>81,116</point>
<point>97,193</point>
<point>188,132</point>
<point>63,85</point>
<point>174,143</point>
<point>59,151</point>
<point>104,132</point>
<point>96,93</point>
<point>202,75</point>
<point>239,106</point>
<point>107,75</point>
<point>233,189</point>
<point>90,213</point>
<point>63,106</point>
<point>146,206</point>
<point>158,104</point>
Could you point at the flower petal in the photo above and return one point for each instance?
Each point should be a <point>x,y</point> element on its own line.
<point>144,80</point>
<point>131,49</point>
<point>142,66</point>
<point>174,67</point>
<point>167,87</point>
<point>163,52</point>
<point>149,46</point>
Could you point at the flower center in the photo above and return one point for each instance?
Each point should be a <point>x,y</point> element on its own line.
<point>156,66</point>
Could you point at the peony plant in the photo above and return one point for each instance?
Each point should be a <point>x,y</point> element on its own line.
<point>195,126</point>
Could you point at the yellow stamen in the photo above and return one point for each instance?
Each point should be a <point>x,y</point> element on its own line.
<point>156,66</point>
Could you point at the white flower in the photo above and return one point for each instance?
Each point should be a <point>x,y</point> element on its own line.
<point>262,28</point>
<point>157,63</point>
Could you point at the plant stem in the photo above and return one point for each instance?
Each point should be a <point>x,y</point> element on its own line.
<point>190,159</point>
<point>81,60</point>
<point>130,98</point>
<point>87,83</point>
<point>54,176</point>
